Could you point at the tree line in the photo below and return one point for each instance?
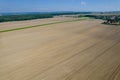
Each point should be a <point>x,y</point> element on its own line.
<point>24,17</point>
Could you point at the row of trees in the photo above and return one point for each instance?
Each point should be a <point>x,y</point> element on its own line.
<point>28,16</point>
<point>24,17</point>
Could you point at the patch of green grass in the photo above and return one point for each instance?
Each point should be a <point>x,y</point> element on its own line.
<point>15,29</point>
<point>84,17</point>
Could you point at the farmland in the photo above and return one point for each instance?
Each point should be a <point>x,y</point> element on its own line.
<point>70,50</point>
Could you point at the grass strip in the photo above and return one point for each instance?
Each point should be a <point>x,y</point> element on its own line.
<point>15,29</point>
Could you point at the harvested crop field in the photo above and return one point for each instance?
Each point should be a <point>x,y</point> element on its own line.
<point>19,24</point>
<point>80,50</point>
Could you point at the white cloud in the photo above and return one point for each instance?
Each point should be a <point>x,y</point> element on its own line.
<point>83,3</point>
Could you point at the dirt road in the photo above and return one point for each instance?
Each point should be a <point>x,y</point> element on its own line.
<point>82,50</point>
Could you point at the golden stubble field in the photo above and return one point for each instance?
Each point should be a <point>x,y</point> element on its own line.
<point>19,24</point>
<point>81,50</point>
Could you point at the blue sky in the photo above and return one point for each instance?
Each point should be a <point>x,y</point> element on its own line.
<point>58,5</point>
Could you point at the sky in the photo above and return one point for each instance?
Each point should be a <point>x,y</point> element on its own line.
<point>58,5</point>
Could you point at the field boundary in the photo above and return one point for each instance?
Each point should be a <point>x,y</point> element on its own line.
<point>15,29</point>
